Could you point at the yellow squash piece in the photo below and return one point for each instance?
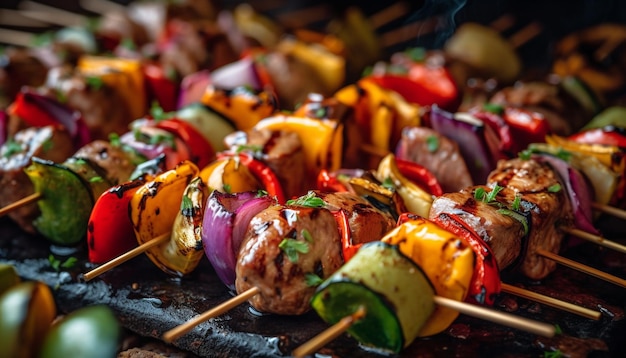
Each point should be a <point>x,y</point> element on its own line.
<point>183,252</point>
<point>446,260</point>
<point>415,198</point>
<point>155,205</point>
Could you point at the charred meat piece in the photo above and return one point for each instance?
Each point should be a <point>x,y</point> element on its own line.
<point>102,107</point>
<point>282,151</point>
<point>439,154</point>
<point>563,113</point>
<point>504,234</point>
<point>283,249</point>
<point>538,186</point>
<point>18,68</point>
<point>51,143</point>
<point>367,223</point>
<point>112,159</point>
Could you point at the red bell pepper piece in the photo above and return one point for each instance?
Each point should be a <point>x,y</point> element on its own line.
<point>110,231</point>
<point>526,127</point>
<point>608,135</point>
<point>161,87</point>
<point>347,247</point>
<point>425,85</point>
<point>486,284</point>
<point>201,151</point>
<point>38,111</point>
<point>420,176</point>
<point>262,172</point>
<point>328,182</point>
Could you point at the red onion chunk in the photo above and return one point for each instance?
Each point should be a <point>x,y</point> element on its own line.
<point>192,88</point>
<point>226,220</point>
<point>579,192</point>
<point>477,142</point>
<point>241,73</point>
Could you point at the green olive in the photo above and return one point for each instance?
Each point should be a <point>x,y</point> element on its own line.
<point>26,312</point>
<point>90,332</point>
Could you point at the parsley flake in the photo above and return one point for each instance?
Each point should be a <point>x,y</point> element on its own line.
<point>97,179</point>
<point>432,143</point>
<point>516,202</point>
<point>11,148</point>
<point>309,200</point>
<point>306,235</point>
<point>554,188</point>
<point>292,248</point>
<point>312,280</point>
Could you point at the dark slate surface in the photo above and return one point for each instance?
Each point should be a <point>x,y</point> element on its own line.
<point>149,302</point>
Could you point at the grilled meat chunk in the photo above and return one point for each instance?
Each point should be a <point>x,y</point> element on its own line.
<point>439,154</point>
<point>503,233</point>
<point>538,186</point>
<point>367,223</point>
<point>284,246</point>
<point>52,143</point>
<point>113,160</point>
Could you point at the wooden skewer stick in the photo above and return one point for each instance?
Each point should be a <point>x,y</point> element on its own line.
<point>10,17</point>
<point>596,239</point>
<point>502,23</point>
<point>388,14</point>
<point>607,209</point>
<point>409,32</point>
<point>505,319</point>
<point>303,17</point>
<point>552,302</point>
<point>51,14</point>
<point>178,331</point>
<point>582,268</point>
<point>313,345</point>
<point>524,35</point>
<point>22,202</point>
<point>101,6</point>
<point>125,257</point>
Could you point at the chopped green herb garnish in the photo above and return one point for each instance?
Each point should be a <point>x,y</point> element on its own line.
<point>186,204</point>
<point>157,112</point>
<point>80,161</point>
<point>94,82</point>
<point>517,216</point>
<point>564,154</point>
<point>312,280</point>
<point>525,154</point>
<point>417,54</point>
<point>306,235</point>
<point>256,150</point>
<point>554,188</point>
<point>321,112</point>
<point>114,139</point>
<point>432,143</point>
<point>47,145</point>
<point>367,71</point>
<point>309,200</point>
<point>516,202</point>
<point>553,354</point>
<point>479,193</point>
<point>388,184</point>
<point>96,179</point>
<point>493,108</point>
<point>261,192</point>
<point>492,194</point>
<point>292,248</point>
<point>227,188</point>
<point>557,329</point>
<point>167,139</point>
<point>128,43</point>
<point>58,264</point>
<point>11,147</point>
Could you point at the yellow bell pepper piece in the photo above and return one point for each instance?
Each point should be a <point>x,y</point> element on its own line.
<point>322,139</point>
<point>609,155</point>
<point>229,176</point>
<point>445,259</point>
<point>125,75</point>
<point>241,106</point>
<point>415,198</point>
<point>156,204</point>
<point>330,67</point>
